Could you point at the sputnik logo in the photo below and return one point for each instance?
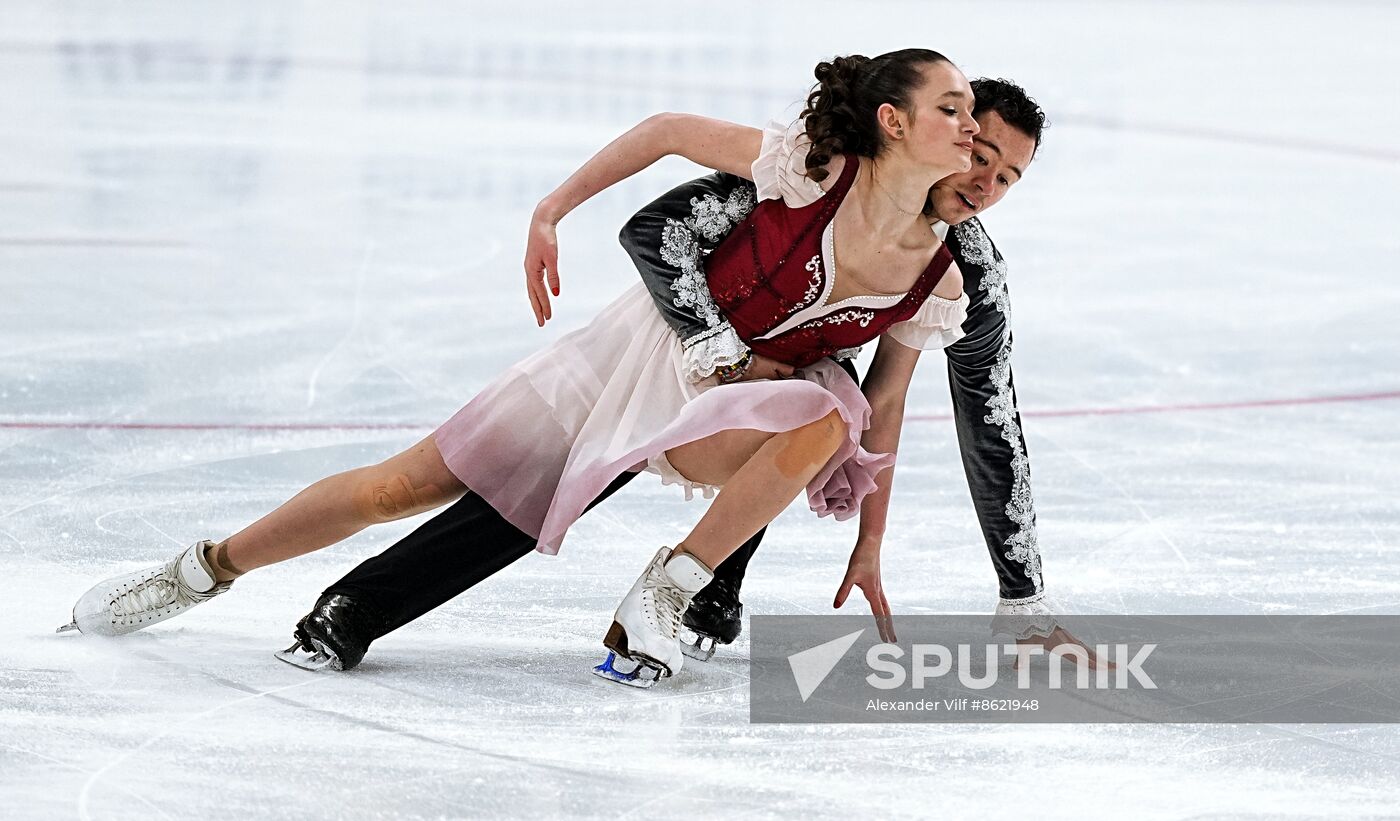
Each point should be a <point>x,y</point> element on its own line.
<point>811,667</point>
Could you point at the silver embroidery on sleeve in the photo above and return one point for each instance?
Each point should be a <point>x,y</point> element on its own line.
<point>1022,547</point>
<point>680,249</point>
<point>711,219</point>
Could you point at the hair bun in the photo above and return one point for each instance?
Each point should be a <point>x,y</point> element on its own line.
<point>840,113</point>
<point>845,70</point>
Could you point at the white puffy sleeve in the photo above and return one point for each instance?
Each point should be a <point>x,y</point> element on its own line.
<point>780,172</point>
<point>937,325</point>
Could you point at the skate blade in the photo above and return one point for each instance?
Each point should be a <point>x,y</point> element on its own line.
<point>70,627</point>
<point>298,656</point>
<point>698,646</point>
<point>636,677</point>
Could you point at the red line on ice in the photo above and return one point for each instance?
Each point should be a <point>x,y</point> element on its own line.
<point>248,426</point>
<point>1191,406</point>
<point>396,426</point>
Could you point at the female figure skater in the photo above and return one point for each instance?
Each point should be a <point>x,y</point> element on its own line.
<point>838,252</point>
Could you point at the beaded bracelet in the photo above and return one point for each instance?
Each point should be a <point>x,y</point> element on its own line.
<point>735,372</point>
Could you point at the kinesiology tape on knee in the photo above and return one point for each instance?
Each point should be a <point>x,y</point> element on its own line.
<point>808,446</point>
<point>394,498</point>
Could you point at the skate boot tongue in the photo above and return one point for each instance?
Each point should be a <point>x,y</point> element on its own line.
<point>686,572</point>
<point>194,568</point>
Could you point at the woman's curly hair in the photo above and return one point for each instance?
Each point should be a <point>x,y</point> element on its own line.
<point>840,112</point>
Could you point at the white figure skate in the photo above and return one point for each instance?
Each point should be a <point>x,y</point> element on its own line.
<point>645,625</point>
<point>126,603</point>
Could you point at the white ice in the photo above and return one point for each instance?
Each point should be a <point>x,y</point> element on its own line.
<point>272,214</point>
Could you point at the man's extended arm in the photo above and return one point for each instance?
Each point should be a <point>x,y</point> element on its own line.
<point>989,424</point>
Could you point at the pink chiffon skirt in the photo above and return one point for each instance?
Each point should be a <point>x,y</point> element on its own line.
<point>549,435</point>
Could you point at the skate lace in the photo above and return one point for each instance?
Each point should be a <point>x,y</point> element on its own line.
<point>670,602</point>
<point>152,594</point>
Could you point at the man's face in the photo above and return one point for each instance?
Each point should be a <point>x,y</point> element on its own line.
<point>999,158</point>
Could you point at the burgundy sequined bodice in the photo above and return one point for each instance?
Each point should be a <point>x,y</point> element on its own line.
<point>772,267</point>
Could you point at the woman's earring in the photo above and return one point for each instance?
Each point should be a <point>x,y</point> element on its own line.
<point>899,133</point>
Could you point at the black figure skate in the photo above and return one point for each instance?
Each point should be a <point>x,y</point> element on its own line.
<point>335,635</point>
<point>715,617</point>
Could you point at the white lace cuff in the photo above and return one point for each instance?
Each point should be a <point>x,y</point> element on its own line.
<point>847,353</point>
<point>1023,618</point>
<point>712,349</point>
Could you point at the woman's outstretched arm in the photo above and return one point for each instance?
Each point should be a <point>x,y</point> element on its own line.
<point>717,144</point>
<point>886,386</point>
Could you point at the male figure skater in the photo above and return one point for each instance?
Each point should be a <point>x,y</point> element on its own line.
<point>470,541</point>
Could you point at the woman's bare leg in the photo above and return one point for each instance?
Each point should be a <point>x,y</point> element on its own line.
<point>340,506</point>
<point>761,473</point>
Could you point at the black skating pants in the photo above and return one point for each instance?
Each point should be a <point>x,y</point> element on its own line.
<point>457,549</point>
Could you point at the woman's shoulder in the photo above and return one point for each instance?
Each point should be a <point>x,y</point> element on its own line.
<point>950,285</point>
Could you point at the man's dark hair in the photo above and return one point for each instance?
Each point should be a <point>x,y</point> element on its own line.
<point>1013,104</point>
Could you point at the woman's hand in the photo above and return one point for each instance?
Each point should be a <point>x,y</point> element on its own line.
<point>863,571</point>
<point>541,264</point>
<point>761,367</point>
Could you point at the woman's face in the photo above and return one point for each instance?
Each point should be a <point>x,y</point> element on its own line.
<point>939,128</point>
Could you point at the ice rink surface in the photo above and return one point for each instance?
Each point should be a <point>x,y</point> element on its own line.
<point>243,246</point>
